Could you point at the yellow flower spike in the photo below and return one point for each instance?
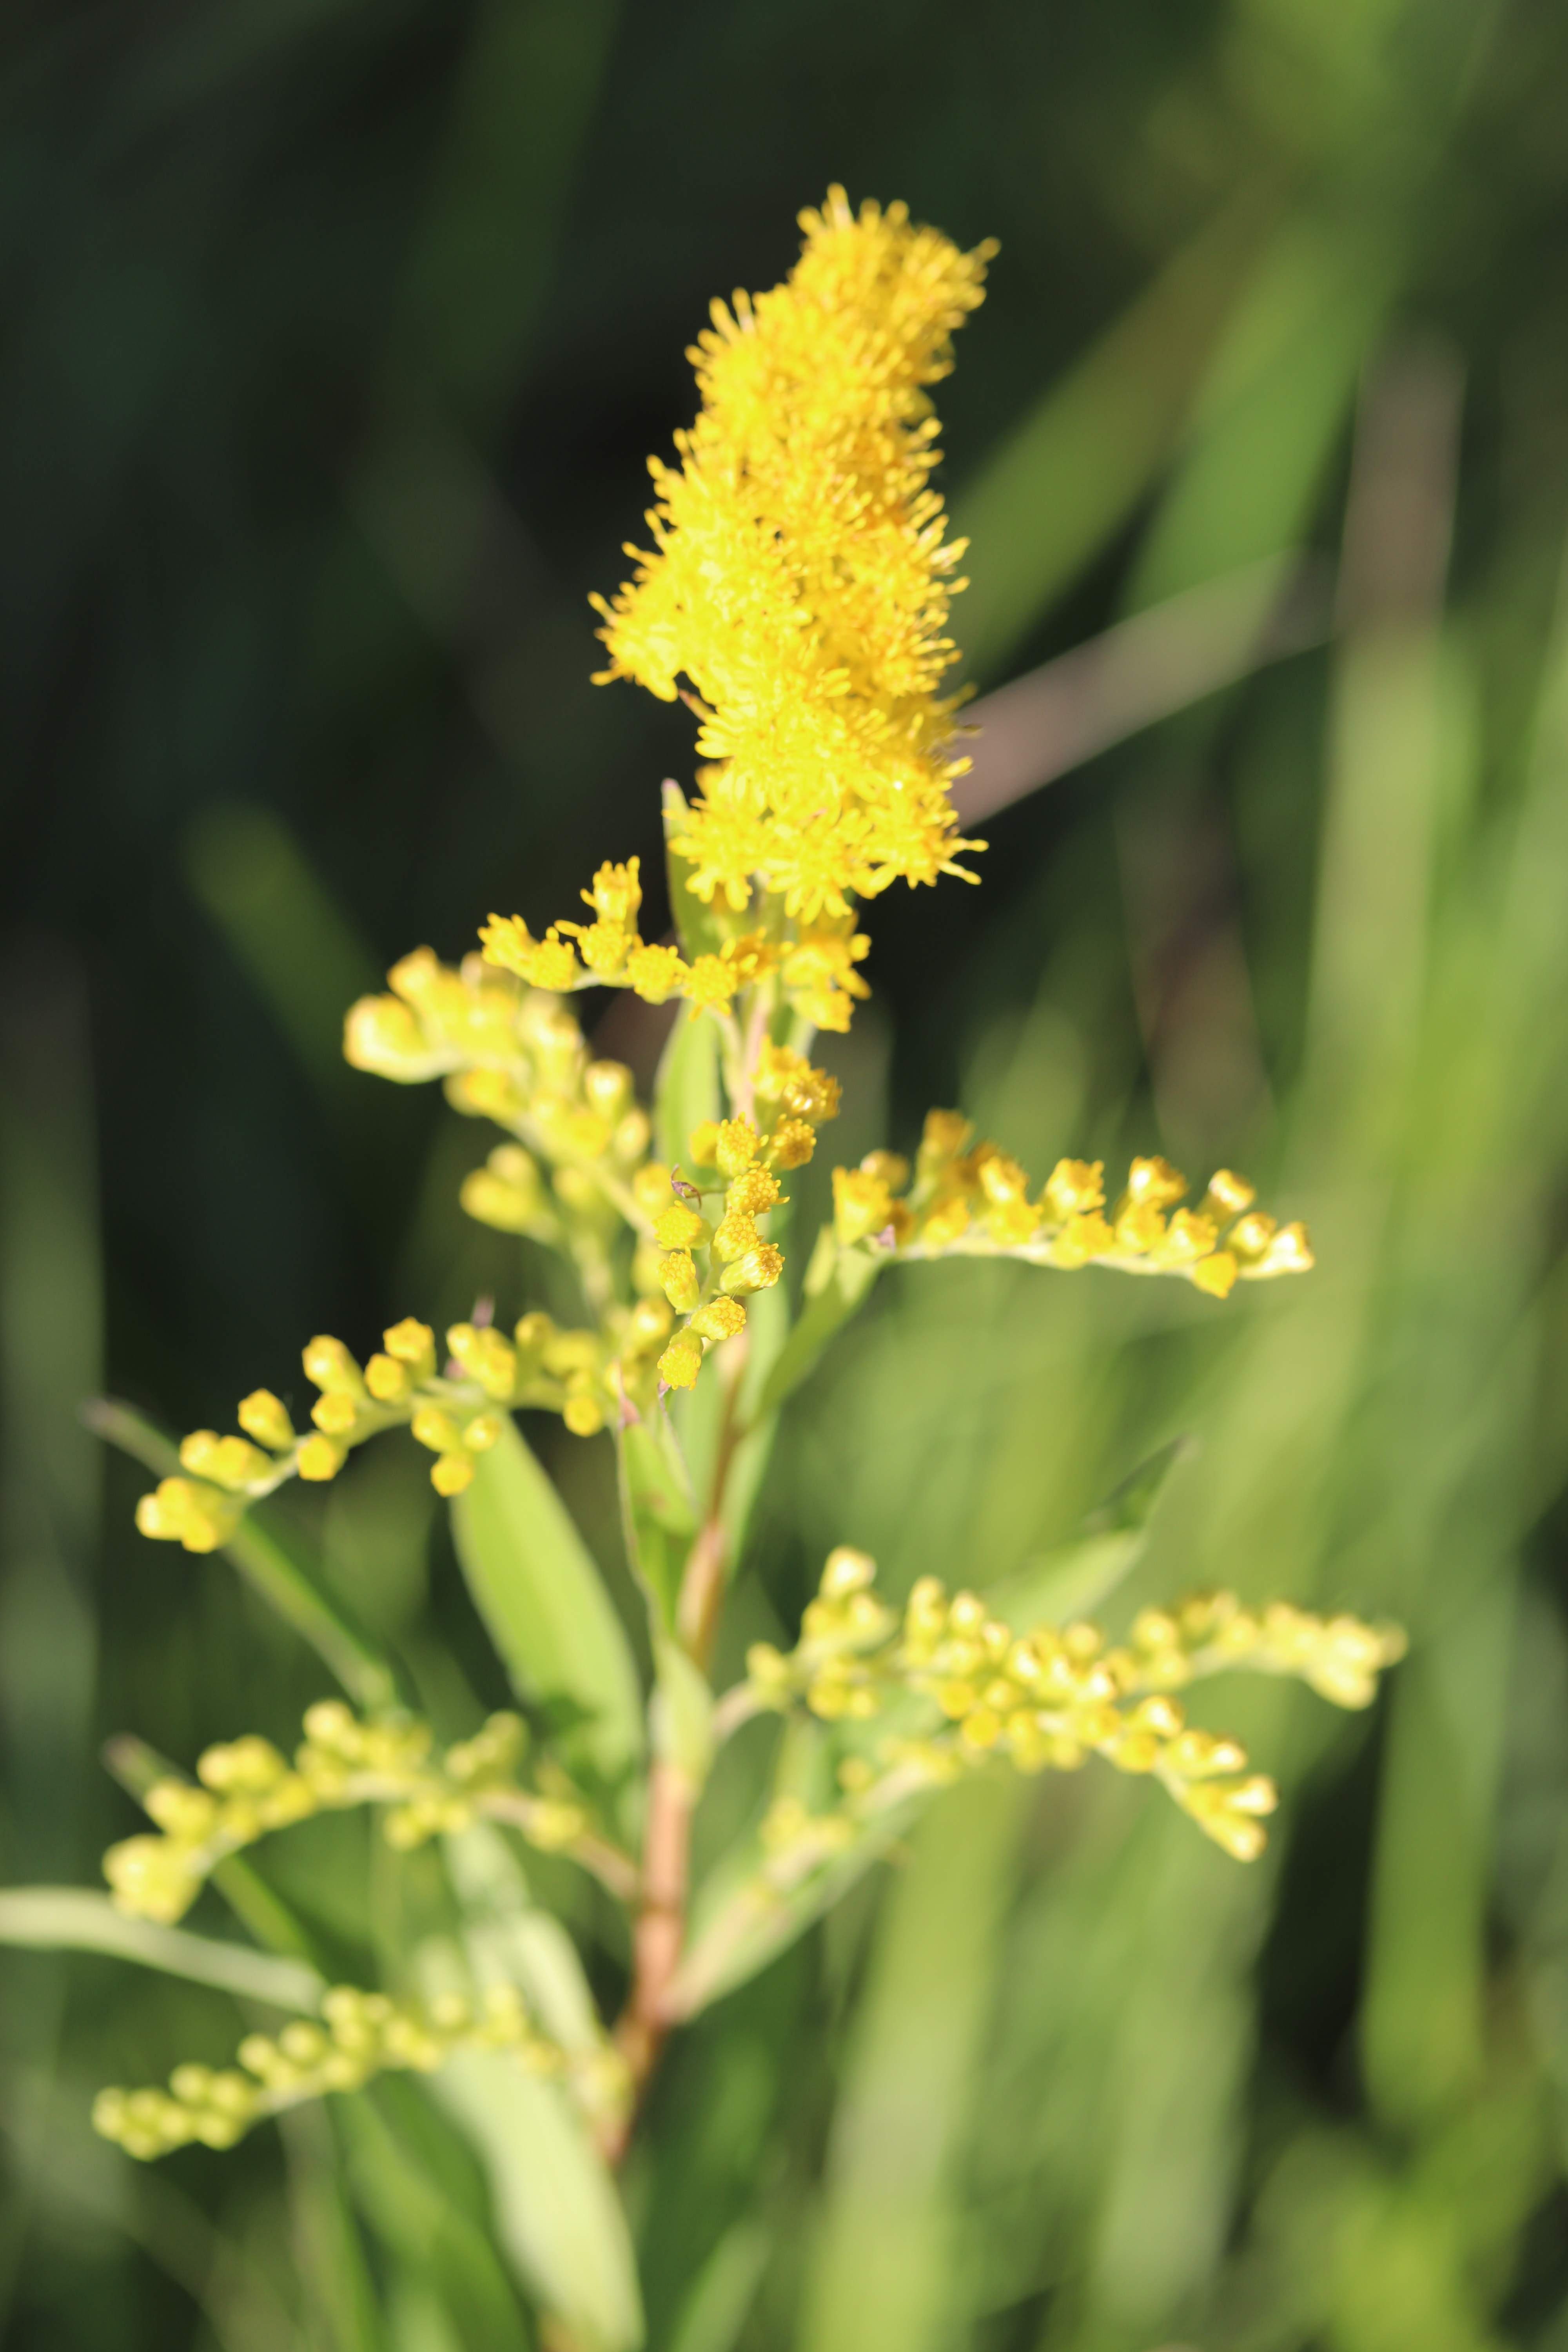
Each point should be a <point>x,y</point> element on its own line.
<point>791,1143</point>
<point>227,1461</point>
<point>321,1458</point>
<point>263,1416</point>
<point>681,1361</point>
<point>818,680</point>
<point>735,1147</point>
<point>330,1367</point>
<point>679,1276</point>
<point>680,1227</point>
<point>719,1319</point>
<point>758,1270</point>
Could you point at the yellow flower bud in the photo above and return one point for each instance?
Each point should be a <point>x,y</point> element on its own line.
<point>432,1426</point>
<point>650,1188</point>
<point>793,1143</point>
<point>1074,1187</point>
<point>736,1147</point>
<point>736,1234</point>
<point>758,1270</point>
<point>608,1088</point>
<point>719,1319</point>
<point>185,1511</point>
<point>262,1416</point>
<point>334,1414</point>
<point>1216,1275</point>
<point>648,1325</point>
<point>862,1205</point>
<point>227,1461</point>
<point>321,1458</point>
<point>681,1361</point>
<point>703,1143</point>
<point>414,1344</point>
<point>329,1365</point>
<point>753,1193</point>
<point>451,1474</point>
<point>388,1381</point>
<point>483,1433</point>
<point>1154,1184</point>
<point>680,1227</point>
<point>678,1277</point>
<point>584,1414</point>
<point>382,1036</point>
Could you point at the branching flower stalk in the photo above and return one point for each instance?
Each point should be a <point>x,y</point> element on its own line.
<point>796,595</point>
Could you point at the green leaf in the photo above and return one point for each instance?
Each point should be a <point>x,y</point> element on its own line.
<point>274,1561</point>
<point>838,1284</point>
<point>700,930</point>
<point>79,1920</point>
<point>557,2216</point>
<point>1082,1574</point>
<point>686,1091</point>
<point>742,1922</point>
<point>660,1513</point>
<point>545,1607</point>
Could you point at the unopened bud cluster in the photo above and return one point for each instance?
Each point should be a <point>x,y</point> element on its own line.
<point>709,1265</point>
<point>248,1790</point>
<point>362,2034</point>
<point>974,1200</point>
<point>1049,1698</point>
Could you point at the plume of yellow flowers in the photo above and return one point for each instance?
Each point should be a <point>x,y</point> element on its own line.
<point>800,577</point>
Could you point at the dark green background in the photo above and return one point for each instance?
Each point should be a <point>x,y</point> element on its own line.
<point>335,340</point>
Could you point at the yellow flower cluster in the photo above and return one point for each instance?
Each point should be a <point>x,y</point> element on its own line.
<point>363,2033</point>
<point>791,1099</point>
<point>457,1413</point>
<point>975,1202</point>
<point>799,578</point>
<point>248,1790</point>
<point>815,963</point>
<point>1048,1699</point>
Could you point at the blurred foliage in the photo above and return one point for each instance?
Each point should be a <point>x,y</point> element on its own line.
<point>336,341</point>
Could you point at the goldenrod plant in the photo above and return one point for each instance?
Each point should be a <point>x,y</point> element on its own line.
<point>795,595</point>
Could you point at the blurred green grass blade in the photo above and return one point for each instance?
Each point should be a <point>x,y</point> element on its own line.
<point>1423,2011</point>
<point>1281,383</point>
<point>686,1091</point>
<point>501,1920</point>
<point>557,2215</point>
<point>77,1919</point>
<point>721,2298</point>
<point>274,1564</point>
<point>287,932</point>
<point>331,2253</point>
<point>448,2263</point>
<point>1079,1574</point>
<point>544,1602</point>
<point>1067,477</point>
<point>884,2273</point>
<point>480,262</point>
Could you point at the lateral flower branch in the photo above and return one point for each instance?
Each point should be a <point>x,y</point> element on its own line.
<point>795,592</point>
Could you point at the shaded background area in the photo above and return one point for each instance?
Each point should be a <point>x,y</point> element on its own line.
<point>336,336</point>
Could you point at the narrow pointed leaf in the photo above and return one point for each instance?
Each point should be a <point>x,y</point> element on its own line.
<point>543,1601</point>
<point>1084,1571</point>
<point>79,1920</point>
